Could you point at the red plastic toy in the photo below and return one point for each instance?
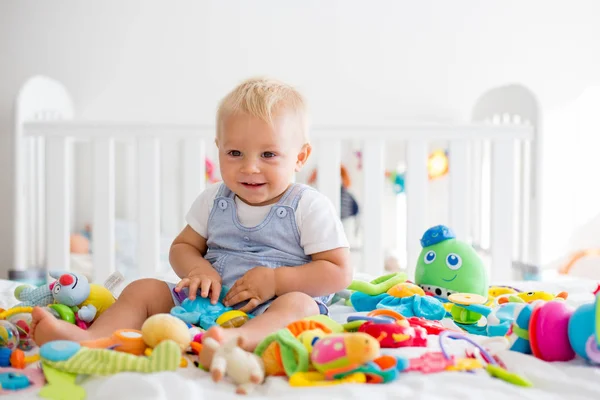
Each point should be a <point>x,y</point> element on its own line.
<point>432,327</point>
<point>396,334</point>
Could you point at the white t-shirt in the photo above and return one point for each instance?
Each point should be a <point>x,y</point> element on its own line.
<point>319,227</point>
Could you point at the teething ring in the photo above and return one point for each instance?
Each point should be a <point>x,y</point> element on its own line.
<point>64,312</point>
<point>15,310</point>
<point>466,299</point>
<point>592,350</point>
<point>386,313</point>
<point>459,336</point>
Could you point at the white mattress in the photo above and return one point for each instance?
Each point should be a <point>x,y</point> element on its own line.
<point>572,380</point>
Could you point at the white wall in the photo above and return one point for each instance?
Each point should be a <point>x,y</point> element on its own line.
<point>357,61</point>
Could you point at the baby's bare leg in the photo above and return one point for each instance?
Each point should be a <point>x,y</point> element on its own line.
<point>283,311</point>
<point>138,301</point>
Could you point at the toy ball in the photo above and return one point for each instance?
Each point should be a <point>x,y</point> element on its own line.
<point>9,335</point>
<point>232,319</point>
<point>343,351</point>
<point>549,331</point>
<point>22,321</point>
<point>405,289</point>
<point>161,327</point>
<point>584,327</point>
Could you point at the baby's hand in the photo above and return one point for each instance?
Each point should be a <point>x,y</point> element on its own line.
<point>206,282</point>
<point>257,286</point>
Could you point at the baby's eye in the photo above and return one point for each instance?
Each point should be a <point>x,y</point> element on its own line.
<point>268,154</point>
<point>234,153</point>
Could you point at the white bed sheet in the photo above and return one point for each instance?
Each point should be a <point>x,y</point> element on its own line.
<point>572,380</point>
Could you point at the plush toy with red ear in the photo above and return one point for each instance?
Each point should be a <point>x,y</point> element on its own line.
<point>70,289</point>
<point>39,296</point>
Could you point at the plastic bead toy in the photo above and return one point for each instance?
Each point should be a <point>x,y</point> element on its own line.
<point>9,335</point>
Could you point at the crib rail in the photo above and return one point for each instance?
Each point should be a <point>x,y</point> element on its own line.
<point>195,138</point>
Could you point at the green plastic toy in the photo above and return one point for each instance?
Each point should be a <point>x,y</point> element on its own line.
<point>447,265</point>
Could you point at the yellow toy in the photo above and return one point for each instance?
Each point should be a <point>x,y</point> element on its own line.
<point>161,327</point>
<point>405,289</point>
<point>232,319</point>
<point>530,297</point>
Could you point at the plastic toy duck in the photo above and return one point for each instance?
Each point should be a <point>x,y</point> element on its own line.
<point>530,297</point>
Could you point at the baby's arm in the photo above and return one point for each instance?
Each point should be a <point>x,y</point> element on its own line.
<point>328,272</point>
<point>187,253</point>
<point>187,259</point>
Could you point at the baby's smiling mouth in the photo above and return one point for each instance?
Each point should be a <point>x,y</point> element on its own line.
<point>252,184</point>
<point>450,280</point>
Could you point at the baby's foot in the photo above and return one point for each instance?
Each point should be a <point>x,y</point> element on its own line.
<point>218,334</point>
<point>46,328</point>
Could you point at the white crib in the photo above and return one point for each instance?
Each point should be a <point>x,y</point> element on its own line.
<point>46,133</point>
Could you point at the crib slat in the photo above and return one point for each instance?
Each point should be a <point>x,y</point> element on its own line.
<point>58,166</point>
<point>149,206</point>
<point>372,219</point>
<point>328,167</point>
<point>459,188</point>
<point>503,156</point>
<point>31,235</point>
<point>194,172</point>
<point>416,199</point>
<point>40,200</point>
<point>130,172</point>
<point>475,190</point>
<point>104,208</point>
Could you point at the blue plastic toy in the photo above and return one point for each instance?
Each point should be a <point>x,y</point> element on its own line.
<point>200,312</point>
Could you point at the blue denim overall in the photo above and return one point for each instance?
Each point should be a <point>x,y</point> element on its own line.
<point>234,249</point>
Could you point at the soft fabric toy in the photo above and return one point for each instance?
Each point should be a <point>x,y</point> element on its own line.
<point>229,359</point>
<point>71,357</point>
<point>200,311</point>
<point>283,354</point>
<point>418,306</point>
<point>344,351</point>
<point>447,265</point>
<point>72,290</point>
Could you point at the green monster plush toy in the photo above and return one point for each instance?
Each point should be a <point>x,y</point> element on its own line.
<point>447,265</point>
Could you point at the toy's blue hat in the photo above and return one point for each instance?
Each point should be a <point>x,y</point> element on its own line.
<point>436,235</point>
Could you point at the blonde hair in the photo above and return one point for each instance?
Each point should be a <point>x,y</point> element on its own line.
<point>264,98</point>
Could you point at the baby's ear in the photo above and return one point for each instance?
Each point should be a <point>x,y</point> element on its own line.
<point>303,156</point>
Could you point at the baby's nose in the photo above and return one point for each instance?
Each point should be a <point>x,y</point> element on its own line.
<point>250,167</point>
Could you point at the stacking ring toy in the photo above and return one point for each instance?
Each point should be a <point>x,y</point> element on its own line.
<point>584,331</point>
<point>549,331</point>
<point>466,299</point>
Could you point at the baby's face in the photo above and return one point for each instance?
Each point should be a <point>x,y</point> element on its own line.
<point>258,160</point>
